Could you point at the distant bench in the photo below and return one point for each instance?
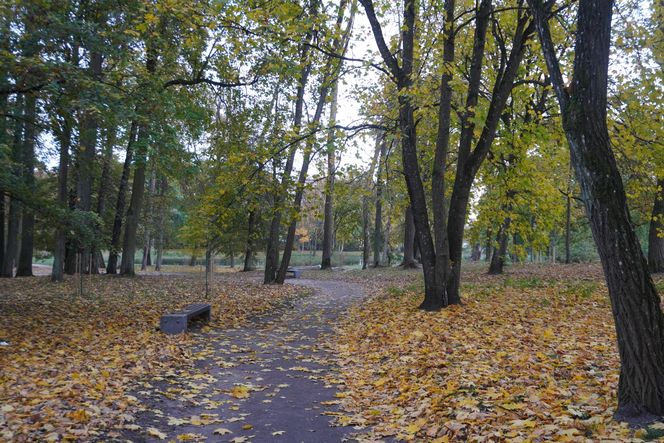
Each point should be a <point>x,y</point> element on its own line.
<point>177,322</point>
<point>295,272</point>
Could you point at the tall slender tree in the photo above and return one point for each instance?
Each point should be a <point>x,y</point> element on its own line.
<point>636,306</point>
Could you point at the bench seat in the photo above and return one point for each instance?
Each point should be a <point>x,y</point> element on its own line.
<point>178,322</point>
<point>295,272</point>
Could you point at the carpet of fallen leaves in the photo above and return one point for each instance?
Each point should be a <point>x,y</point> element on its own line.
<point>68,362</point>
<point>529,356</point>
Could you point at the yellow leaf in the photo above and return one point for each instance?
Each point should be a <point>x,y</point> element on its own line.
<point>154,432</point>
<point>512,406</point>
<point>240,391</point>
<point>222,431</point>
<point>276,433</point>
<point>247,427</point>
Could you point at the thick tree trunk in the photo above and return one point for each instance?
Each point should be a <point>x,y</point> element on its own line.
<point>24,268</point>
<point>63,171</point>
<point>469,162</point>
<point>116,234</point>
<point>634,299</point>
<point>85,159</point>
<point>135,206</point>
<point>656,233</point>
<point>249,251</point>
<point>14,216</point>
<point>328,214</point>
<point>2,228</point>
<point>408,240</point>
<point>500,253</point>
<point>107,159</point>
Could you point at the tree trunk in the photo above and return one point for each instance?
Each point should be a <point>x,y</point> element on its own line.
<point>378,212</point>
<point>24,268</point>
<point>408,240</point>
<point>469,162</point>
<point>500,253</point>
<point>120,203</point>
<point>147,240</point>
<point>656,233</point>
<point>328,215</point>
<point>249,252</point>
<point>160,250</point>
<point>366,244</point>
<point>138,185</point>
<point>107,159</point>
<point>636,305</point>
<point>477,252</point>
<point>14,216</point>
<point>568,218</point>
<point>2,228</point>
<point>272,249</point>
<point>135,206</point>
<point>63,171</point>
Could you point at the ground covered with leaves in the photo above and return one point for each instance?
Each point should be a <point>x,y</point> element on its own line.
<point>530,356</point>
<point>68,362</point>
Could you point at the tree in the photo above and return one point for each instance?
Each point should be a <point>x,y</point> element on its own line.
<point>636,306</point>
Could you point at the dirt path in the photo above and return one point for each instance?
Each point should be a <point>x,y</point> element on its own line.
<point>262,383</point>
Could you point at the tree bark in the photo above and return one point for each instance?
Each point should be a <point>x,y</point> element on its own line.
<point>135,205</point>
<point>107,159</point>
<point>249,251</point>
<point>14,216</point>
<point>656,232</point>
<point>63,190</point>
<point>120,203</point>
<point>24,268</point>
<point>408,240</point>
<point>500,253</point>
<point>378,211</point>
<point>147,243</point>
<point>635,303</point>
<point>366,242</point>
<point>328,215</point>
<point>469,162</point>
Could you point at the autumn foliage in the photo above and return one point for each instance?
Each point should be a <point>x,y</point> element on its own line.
<point>71,361</point>
<point>530,356</point>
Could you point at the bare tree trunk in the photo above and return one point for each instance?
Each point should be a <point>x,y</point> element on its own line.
<point>500,253</point>
<point>107,159</point>
<point>147,243</point>
<point>135,206</point>
<point>477,252</point>
<point>378,212</point>
<point>138,186</point>
<point>24,268</point>
<point>656,232</point>
<point>249,252</point>
<point>120,203</point>
<point>63,171</point>
<point>328,222</point>
<point>408,240</point>
<point>14,216</point>
<point>365,232</point>
<point>636,305</point>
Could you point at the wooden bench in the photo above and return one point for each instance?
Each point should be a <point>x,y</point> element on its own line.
<point>177,322</point>
<point>295,272</point>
